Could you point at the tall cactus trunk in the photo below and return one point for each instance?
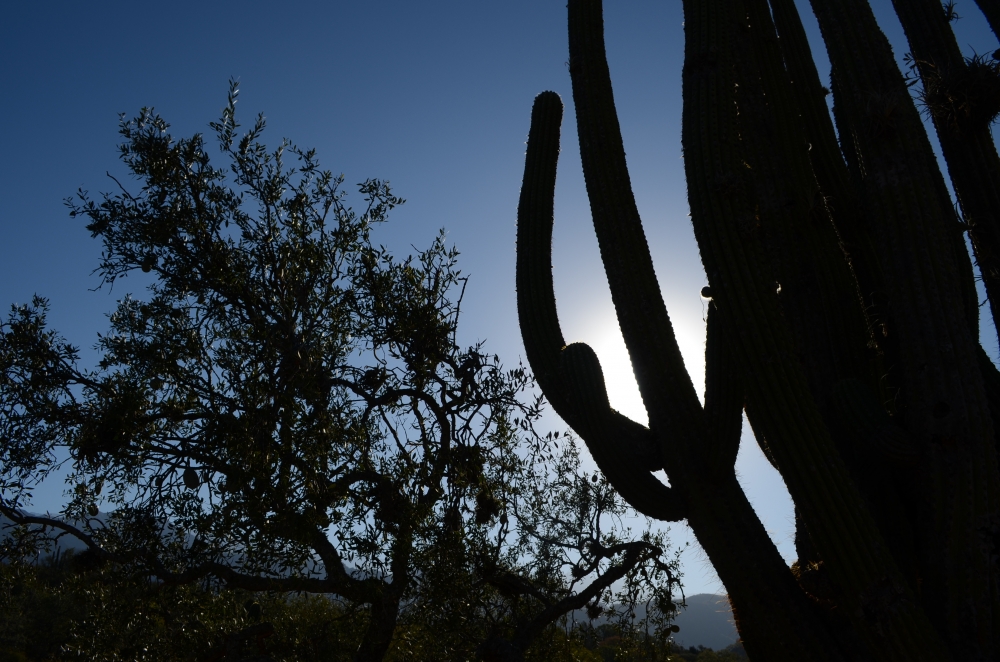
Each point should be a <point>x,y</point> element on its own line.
<point>843,318</point>
<point>962,98</point>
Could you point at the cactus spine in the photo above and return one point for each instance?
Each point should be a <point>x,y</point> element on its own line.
<point>862,378</point>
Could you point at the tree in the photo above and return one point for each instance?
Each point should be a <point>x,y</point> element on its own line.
<point>65,608</point>
<point>570,554</point>
<point>843,320</point>
<point>287,412</point>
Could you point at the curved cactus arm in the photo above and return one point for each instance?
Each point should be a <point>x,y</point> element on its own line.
<point>536,308</point>
<point>724,395</point>
<point>667,391</point>
<point>571,377</point>
<point>593,420</point>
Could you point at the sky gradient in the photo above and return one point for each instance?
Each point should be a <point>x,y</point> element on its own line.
<point>434,97</point>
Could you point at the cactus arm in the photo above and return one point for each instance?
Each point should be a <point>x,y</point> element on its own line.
<point>571,376</point>
<point>991,10</point>
<point>839,195</point>
<point>543,338</point>
<point>593,420</point>
<point>818,296</point>
<point>828,162</point>
<point>951,86</point>
<point>723,396</point>
<point>667,391</point>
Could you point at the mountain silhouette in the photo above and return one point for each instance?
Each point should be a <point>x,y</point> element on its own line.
<point>706,621</point>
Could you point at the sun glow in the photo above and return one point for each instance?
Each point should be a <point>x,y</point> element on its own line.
<point>605,338</point>
<point>763,485</point>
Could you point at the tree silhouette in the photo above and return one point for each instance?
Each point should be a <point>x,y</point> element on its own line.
<point>288,411</point>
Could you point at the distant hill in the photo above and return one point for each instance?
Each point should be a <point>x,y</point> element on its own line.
<point>707,621</point>
<point>64,543</point>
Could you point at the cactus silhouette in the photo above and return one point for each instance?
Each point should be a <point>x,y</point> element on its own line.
<point>843,320</point>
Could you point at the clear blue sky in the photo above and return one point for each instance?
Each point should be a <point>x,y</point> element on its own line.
<point>434,97</point>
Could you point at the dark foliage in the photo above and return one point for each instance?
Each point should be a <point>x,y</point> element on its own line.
<point>288,413</point>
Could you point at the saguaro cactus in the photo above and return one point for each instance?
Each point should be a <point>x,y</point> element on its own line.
<point>844,321</point>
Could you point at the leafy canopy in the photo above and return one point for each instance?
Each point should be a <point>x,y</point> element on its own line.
<point>288,410</point>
